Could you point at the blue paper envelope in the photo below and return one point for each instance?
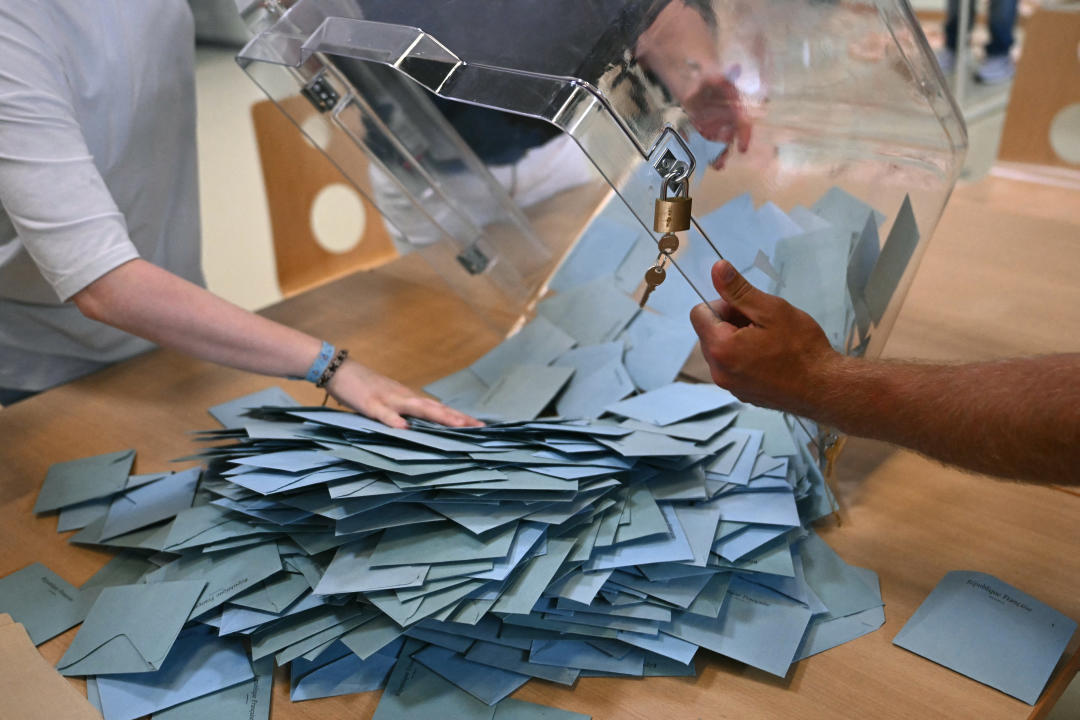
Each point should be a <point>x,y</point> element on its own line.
<point>342,673</point>
<point>77,481</point>
<point>981,627</point>
<point>199,664</point>
<point>130,628</point>
<point>42,601</point>
<point>231,414</point>
<point>150,503</point>
<point>485,683</point>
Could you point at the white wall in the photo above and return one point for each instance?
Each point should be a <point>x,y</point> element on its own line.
<point>238,255</point>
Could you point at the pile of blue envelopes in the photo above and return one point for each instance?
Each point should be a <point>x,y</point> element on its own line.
<point>451,566</point>
<point>455,564</point>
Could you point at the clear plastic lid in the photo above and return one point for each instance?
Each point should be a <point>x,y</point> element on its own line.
<point>820,141</point>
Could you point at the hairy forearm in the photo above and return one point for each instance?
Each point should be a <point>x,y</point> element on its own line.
<point>152,303</point>
<point>1013,418</point>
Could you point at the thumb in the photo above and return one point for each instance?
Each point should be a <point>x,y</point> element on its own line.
<point>740,294</point>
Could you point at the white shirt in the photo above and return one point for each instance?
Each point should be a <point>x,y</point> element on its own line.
<point>97,167</point>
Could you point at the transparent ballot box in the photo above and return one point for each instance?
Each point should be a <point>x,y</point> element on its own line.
<point>521,147</point>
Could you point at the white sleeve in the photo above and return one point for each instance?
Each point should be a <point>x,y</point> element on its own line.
<point>50,188</point>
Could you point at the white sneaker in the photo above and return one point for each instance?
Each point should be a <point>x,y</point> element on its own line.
<point>996,70</point>
<point>946,60</point>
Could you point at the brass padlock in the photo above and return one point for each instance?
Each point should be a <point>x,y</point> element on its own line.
<point>672,214</point>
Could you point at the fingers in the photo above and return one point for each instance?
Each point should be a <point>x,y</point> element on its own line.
<point>743,132</point>
<point>385,415</point>
<point>452,418</point>
<point>436,412</point>
<point>721,160</point>
<point>705,322</point>
<point>740,295</point>
<point>716,340</point>
<point>724,311</point>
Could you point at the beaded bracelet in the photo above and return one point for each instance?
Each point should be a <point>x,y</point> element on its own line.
<point>328,372</point>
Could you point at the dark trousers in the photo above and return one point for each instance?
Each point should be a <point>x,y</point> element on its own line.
<point>10,397</point>
<point>1002,20</point>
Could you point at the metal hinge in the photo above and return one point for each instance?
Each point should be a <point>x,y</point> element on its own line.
<point>320,93</point>
<point>474,260</point>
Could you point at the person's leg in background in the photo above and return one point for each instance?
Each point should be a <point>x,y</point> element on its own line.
<point>998,67</point>
<point>946,57</point>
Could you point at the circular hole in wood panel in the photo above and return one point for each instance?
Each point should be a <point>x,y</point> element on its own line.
<point>1065,134</point>
<point>337,218</point>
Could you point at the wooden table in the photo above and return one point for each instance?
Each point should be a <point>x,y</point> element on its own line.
<point>994,282</point>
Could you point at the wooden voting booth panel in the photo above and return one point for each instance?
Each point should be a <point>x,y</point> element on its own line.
<point>295,172</point>
<point>1047,83</point>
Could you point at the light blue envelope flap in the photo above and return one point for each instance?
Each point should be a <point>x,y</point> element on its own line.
<point>231,414</point>
<point>986,629</point>
<point>199,664</point>
<point>672,403</point>
<point>150,503</point>
<point>756,626</point>
<point>537,343</point>
<point>77,481</point>
<point>485,683</point>
<point>130,628</point>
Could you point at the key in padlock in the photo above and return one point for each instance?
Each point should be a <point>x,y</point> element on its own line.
<point>672,214</point>
<point>654,276</point>
<point>668,244</point>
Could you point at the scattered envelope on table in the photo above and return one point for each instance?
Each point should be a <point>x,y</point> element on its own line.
<point>130,628</point>
<point>42,601</point>
<point>828,631</point>
<point>351,571</point>
<point>990,631</point>
<point>460,390</point>
<point>76,517</point>
<point>77,481</point>
<point>150,503</point>
<point>415,693</point>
